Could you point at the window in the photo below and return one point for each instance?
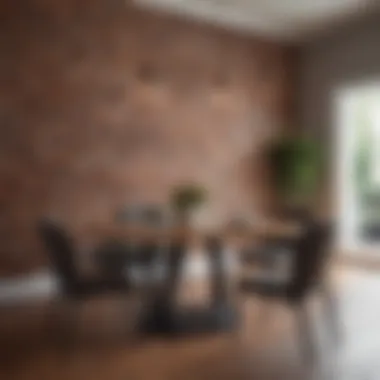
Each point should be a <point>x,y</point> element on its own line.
<point>358,171</point>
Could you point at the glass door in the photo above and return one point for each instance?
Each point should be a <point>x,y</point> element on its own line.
<point>358,171</point>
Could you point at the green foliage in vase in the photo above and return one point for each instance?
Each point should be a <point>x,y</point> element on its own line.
<point>185,198</point>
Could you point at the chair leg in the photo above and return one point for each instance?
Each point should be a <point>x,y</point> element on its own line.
<point>307,343</point>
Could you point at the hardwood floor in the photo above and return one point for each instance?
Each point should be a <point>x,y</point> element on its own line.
<point>265,348</point>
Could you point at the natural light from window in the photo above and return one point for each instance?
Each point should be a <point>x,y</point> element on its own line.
<point>358,166</point>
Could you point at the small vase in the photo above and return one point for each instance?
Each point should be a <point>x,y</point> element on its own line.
<point>192,219</point>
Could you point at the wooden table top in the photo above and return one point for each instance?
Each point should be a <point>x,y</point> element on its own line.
<point>192,234</point>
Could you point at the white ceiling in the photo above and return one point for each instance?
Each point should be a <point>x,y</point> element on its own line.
<point>283,19</point>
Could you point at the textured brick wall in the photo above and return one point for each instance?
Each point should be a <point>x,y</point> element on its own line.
<point>101,104</point>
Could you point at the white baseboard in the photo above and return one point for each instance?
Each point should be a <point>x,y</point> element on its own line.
<point>38,285</point>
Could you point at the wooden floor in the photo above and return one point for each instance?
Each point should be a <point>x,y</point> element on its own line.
<point>265,348</point>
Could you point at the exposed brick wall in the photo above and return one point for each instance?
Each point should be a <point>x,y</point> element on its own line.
<point>102,104</point>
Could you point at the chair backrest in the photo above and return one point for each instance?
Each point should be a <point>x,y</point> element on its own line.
<point>112,256</point>
<point>311,252</point>
<point>61,252</point>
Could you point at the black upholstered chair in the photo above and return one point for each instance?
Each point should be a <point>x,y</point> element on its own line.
<point>309,255</point>
<point>72,286</point>
<point>148,261</point>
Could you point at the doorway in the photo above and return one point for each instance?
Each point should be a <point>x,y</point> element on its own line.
<point>358,167</point>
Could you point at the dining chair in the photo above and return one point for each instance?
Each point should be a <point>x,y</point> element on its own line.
<point>148,262</point>
<point>269,252</point>
<point>268,255</point>
<point>309,256</point>
<point>72,286</point>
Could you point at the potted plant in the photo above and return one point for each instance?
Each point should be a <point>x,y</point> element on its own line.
<point>185,200</point>
<point>295,164</point>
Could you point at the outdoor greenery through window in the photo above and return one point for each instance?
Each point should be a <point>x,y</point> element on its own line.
<point>359,177</point>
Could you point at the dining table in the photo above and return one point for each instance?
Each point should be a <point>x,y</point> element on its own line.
<point>163,315</point>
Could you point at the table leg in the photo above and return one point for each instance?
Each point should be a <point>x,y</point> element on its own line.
<point>166,318</point>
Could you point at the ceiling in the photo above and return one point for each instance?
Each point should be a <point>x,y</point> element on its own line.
<point>280,19</point>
